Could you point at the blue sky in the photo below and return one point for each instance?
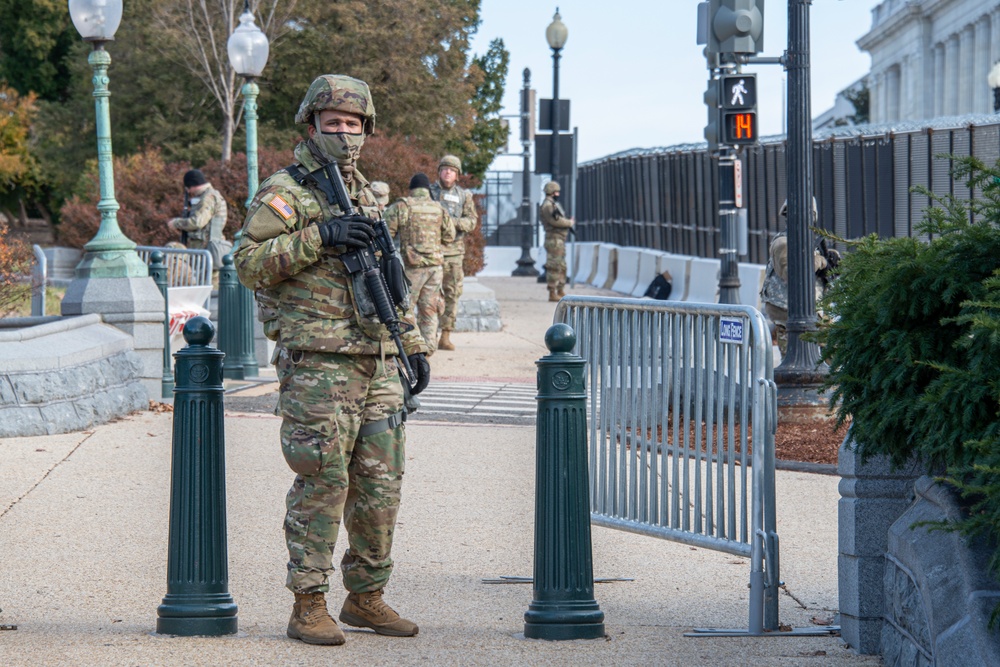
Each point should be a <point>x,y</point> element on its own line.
<point>635,75</point>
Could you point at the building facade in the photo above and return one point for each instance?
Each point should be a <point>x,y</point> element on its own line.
<point>931,58</point>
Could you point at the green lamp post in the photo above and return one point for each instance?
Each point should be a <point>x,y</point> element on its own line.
<point>110,254</point>
<point>248,50</point>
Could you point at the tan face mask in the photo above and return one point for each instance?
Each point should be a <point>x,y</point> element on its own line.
<point>342,147</point>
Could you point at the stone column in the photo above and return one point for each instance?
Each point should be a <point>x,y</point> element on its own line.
<point>982,102</point>
<point>994,38</point>
<point>966,58</point>
<point>893,93</point>
<point>952,74</point>
<point>937,103</point>
<point>876,106</point>
<point>872,496</point>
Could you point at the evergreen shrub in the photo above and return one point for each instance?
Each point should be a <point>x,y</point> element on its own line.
<point>914,345</point>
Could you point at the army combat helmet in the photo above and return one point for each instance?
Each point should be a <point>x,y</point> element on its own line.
<point>551,187</point>
<point>450,161</point>
<point>341,93</point>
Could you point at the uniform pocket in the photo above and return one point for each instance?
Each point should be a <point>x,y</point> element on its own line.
<point>302,449</point>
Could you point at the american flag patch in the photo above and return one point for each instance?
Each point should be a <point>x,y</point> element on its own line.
<point>281,206</point>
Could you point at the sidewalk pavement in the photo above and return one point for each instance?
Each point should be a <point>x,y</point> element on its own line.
<point>83,543</point>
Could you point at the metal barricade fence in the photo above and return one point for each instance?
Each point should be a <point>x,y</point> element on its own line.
<point>675,392</point>
<point>39,282</point>
<point>185,268</point>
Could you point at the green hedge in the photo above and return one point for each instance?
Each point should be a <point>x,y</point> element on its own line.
<point>914,346</point>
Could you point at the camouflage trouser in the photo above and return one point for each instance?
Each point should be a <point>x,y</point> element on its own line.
<point>323,401</point>
<point>778,317</point>
<point>451,287</point>
<point>425,292</point>
<point>555,262</point>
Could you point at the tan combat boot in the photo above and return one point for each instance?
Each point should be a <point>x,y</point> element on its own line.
<point>553,294</point>
<point>562,291</point>
<point>445,342</point>
<point>311,622</point>
<point>368,610</point>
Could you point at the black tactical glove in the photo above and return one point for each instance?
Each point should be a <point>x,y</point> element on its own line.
<point>832,258</point>
<point>422,369</point>
<point>354,231</point>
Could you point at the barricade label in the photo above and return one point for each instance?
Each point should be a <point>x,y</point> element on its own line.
<point>731,330</point>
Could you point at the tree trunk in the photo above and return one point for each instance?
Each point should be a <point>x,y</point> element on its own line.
<point>227,136</point>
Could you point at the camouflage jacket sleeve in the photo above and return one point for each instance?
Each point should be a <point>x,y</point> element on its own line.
<point>202,214</point>
<point>469,218</point>
<point>552,215</point>
<point>394,215</point>
<point>278,238</point>
<point>449,231</point>
<point>413,341</point>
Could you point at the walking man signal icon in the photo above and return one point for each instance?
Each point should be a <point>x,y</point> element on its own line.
<point>738,90</point>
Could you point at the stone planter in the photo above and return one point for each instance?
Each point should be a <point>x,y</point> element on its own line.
<point>62,374</point>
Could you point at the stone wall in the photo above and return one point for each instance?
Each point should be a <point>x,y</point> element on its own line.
<point>65,374</point>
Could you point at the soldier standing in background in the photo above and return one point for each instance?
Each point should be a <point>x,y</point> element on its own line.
<point>340,397</point>
<point>381,191</point>
<point>205,214</point>
<point>557,227</point>
<point>424,227</point>
<point>462,209</point>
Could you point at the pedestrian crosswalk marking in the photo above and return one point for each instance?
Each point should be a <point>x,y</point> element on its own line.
<point>478,402</point>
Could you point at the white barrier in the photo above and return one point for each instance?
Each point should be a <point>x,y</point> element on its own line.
<point>679,267</point>
<point>586,262</point>
<point>649,268</point>
<point>751,280</point>
<point>703,280</point>
<point>628,270</point>
<point>604,276</point>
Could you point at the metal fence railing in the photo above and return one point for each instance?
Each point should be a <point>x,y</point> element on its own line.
<point>682,414</point>
<point>666,199</point>
<point>185,268</point>
<point>39,282</point>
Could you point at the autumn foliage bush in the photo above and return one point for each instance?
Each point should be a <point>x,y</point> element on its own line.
<point>15,266</point>
<point>149,191</point>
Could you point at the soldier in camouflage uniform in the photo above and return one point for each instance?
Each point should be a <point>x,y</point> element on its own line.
<point>462,209</point>
<point>381,191</point>
<point>774,291</point>
<point>340,395</point>
<point>204,216</point>
<point>424,227</point>
<point>557,227</point>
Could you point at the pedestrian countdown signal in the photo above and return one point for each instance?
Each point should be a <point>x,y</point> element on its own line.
<point>738,99</point>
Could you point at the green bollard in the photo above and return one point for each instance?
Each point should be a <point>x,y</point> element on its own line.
<point>198,600</point>
<point>158,272</point>
<point>563,606</point>
<point>229,320</point>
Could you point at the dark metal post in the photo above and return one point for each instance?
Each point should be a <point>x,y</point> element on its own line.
<point>158,272</point>
<point>729,274</point>
<point>198,600</point>
<point>563,605</point>
<point>246,352</point>
<point>556,134</point>
<point>526,265</point>
<point>800,373</point>
<point>230,321</point>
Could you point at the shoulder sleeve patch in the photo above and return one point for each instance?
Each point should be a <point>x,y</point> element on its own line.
<point>281,206</point>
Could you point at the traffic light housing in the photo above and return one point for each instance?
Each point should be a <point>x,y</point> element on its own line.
<point>738,103</point>
<point>735,26</point>
<point>711,98</point>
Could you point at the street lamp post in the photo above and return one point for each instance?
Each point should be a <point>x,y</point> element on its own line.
<point>110,253</point>
<point>111,280</point>
<point>248,50</point>
<point>556,35</point>
<point>800,374</point>
<point>525,264</point>
<point>994,80</point>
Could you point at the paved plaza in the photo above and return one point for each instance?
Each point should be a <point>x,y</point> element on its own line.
<point>83,541</point>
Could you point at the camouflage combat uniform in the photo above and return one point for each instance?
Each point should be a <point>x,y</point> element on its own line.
<point>424,226</point>
<point>557,227</point>
<point>460,206</point>
<point>774,291</point>
<point>205,221</point>
<point>340,396</point>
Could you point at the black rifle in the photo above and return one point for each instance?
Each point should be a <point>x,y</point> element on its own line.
<point>364,261</point>
<point>186,214</point>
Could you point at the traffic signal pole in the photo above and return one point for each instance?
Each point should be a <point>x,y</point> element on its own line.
<point>729,274</point>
